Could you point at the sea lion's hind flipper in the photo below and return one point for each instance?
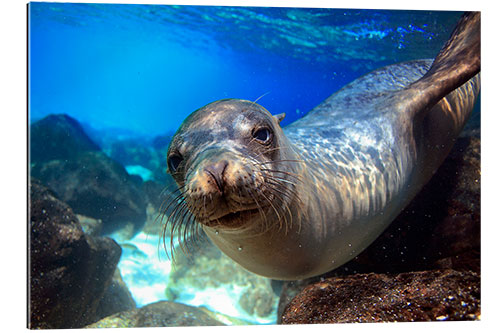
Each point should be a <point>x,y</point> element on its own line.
<point>457,62</point>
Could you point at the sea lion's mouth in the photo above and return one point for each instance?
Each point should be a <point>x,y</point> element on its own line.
<point>233,219</point>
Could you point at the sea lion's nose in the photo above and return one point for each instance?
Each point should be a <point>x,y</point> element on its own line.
<point>216,171</point>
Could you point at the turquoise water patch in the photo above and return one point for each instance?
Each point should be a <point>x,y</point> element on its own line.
<point>140,171</point>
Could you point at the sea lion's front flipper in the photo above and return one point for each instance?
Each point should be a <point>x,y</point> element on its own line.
<point>458,61</point>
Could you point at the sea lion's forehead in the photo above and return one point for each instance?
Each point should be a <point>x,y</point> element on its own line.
<point>226,113</point>
<point>220,121</point>
<point>221,118</point>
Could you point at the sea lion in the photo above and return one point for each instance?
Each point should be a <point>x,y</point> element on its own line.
<point>297,202</point>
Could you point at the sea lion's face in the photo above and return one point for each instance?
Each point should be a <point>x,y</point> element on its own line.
<point>226,158</point>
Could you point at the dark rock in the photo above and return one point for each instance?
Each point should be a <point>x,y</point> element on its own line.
<point>58,137</point>
<point>67,161</point>
<point>69,270</point>
<point>160,314</point>
<point>414,296</point>
<point>116,299</point>
<point>97,187</point>
<point>291,289</point>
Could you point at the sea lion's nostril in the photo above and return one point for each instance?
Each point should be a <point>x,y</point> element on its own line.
<point>216,171</point>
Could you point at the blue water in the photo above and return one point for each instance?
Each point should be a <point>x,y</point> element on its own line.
<point>144,68</point>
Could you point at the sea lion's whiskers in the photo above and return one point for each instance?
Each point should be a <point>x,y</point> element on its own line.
<point>271,188</point>
<point>268,150</point>
<point>171,188</point>
<point>286,193</point>
<point>258,98</point>
<point>184,228</point>
<point>279,185</point>
<point>289,193</point>
<point>241,201</point>
<point>186,231</point>
<point>261,211</point>
<point>205,206</point>
<point>188,234</point>
<point>276,189</point>
<point>171,219</point>
<point>279,161</point>
<point>175,220</point>
<point>274,208</point>
<point>291,174</point>
<point>174,201</point>
<point>260,165</point>
<point>173,223</point>
<point>170,201</point>
<point>288,181</point>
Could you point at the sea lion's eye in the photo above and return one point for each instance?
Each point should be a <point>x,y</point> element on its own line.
<point>174,161</point>
<point>263,135</point>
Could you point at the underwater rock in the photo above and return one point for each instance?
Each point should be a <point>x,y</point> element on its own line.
<point>69,271</point>
<point>58,137</point>
<point>413,296</point>
<point>160,314</point>
<point>89,225</point>
<point>258,301</point>
<point>95,186</point>
<point>291,289</point>
<point>133,152</point>
<point>138,152</point>
<point>89,181</point>
<point>117,298</point>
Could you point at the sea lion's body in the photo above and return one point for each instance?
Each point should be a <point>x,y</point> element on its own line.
<point>294,203</point>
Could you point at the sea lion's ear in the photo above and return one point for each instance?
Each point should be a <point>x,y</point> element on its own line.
<point>279,117</point>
